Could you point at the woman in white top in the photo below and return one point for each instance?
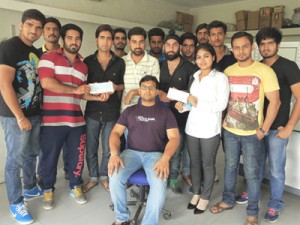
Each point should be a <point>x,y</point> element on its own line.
<point>209,92</point>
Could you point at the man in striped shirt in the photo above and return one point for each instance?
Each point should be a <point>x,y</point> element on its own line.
<point>63,77</point>
<point>138,64</point>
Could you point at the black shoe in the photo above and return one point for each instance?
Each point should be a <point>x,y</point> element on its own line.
<point>191,206</point>
<point>124,223</point>
<point>198,211</point>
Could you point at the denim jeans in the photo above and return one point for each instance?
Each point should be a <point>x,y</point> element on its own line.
<point>22,149</point>
<point>181,153</point>
<point>94,128</point>
<point>250,148</point>
<point>134,160</point>
<point>275,151</point>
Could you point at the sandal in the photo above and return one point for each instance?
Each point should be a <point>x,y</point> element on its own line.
<point>252,220</point>
<point>105,184</point>
<point>89,185</point>
<point>218,208</point>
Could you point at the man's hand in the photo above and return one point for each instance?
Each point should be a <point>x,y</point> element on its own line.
<point>128,97</point>
<point>82,89</point>
<point>113,164</point>
<point>103,97</point>
<point>259,134</point>
<point>162,168</point>
<point>163,96</point>
<point>24,124</point>
<point>284,132</point>
<point>193,100</point>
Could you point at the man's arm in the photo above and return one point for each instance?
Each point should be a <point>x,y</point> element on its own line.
<point>114,146</point>
<point>7,75</point>
<point>129,96</point>
<point>272,110</point>
<point>285,132</point>
<point>162,166</point>
<point>53,85</point>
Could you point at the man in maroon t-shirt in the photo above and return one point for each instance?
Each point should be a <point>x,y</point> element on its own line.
<point>153,138</point>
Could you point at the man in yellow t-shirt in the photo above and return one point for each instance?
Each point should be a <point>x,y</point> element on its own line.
<point>244,125</point>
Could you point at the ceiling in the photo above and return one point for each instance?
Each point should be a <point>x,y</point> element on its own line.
<point>199,3</point>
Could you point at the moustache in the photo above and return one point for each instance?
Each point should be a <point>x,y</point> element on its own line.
<point>52,35</point>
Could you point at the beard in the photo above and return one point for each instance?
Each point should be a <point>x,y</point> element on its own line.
<point>138,52</point>
<point>173,56</point>
<point>72,50</point>
<point>269,56</point>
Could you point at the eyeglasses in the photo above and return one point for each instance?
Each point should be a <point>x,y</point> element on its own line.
<point>150,88</point>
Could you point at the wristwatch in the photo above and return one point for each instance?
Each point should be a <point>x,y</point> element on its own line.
<point>265,133</point>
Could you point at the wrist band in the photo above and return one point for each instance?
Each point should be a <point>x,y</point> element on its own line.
<point>20,120</point>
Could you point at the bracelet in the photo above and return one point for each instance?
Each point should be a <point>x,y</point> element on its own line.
<point>20,120</point>
<point>114,154</point>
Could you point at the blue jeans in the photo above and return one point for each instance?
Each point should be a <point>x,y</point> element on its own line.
<point>94,128</point>
<point>250,148</point>
<point>22,149</point>
<point>181,153</point>
<point>275,151</point>
<point>134,160</point>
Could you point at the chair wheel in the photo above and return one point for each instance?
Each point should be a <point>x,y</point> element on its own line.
<point>167,216</point>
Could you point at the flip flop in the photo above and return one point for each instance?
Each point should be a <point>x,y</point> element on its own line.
<point>218,208</point>
<point>89,185</point>
<point>252,220</point>
<point>105,184</point>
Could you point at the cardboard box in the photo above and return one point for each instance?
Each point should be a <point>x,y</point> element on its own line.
<point>241,25</point>
<point>265,17</point>
<point>277,19</point>
<point>279,8</point>
<point>253,20</point>
<point>241,15</point>
<point>184,18</point>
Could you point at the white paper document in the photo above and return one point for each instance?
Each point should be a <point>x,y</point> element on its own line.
<point>98,88</point>
<point>178,95</point>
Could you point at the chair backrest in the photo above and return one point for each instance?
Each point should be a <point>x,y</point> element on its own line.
<point>138,178</point>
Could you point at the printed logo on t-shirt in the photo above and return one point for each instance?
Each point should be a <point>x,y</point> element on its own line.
<point>28,87</point>
<point>243,104</point>
<point>144,119</point>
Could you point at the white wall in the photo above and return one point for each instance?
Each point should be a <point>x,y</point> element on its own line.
<point>226,12</point>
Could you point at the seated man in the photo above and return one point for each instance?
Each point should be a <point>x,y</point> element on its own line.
<point>153,138</point>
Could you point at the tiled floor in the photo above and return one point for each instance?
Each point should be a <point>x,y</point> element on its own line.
<point>97,212</point>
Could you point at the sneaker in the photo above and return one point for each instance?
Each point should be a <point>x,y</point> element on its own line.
<point>20,213</point>
<point>175,186</point>
<point>77,193</point>
<point>33,193</point>
<point>271,216</point>
<point>242,199</point>
<point>48,202</point>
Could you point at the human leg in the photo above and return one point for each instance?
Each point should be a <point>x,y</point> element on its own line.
<point>251,150</point>
<point>132,162</point>
<point>157,193</point>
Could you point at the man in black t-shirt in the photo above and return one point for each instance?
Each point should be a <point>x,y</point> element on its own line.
<point>153,138</point>
<point>20,112</point>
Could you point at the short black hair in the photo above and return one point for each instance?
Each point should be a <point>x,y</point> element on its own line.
<point>53,20</point>
<point>120,30</point>
<point>201,26</point>
<point>104,27</point>
<point>268,32</point>
<point>241,34</point>
<point>150,78</point>
<point>33,14</point>
<point>188,35</point>
<point>217,24</point>
<point>137,31</point>
<point>208,47</point>
<point>156,32</point>
<point>70,26</point>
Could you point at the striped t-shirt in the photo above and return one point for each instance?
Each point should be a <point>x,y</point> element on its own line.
<point>135,72</point>
<point>62,109</point>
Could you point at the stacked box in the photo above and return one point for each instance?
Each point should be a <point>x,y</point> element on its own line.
<point>265,17</point>
<point>278,16</point>
<point>253,20</point>
<point>241,20</point>
<point>185,20</point>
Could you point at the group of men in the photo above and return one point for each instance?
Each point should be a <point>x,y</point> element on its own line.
<point>61,74</point>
